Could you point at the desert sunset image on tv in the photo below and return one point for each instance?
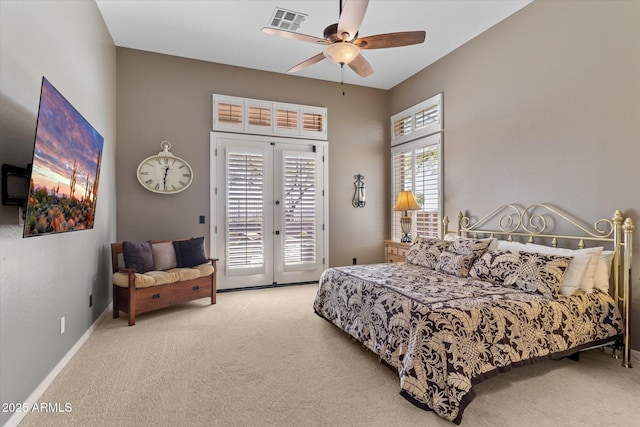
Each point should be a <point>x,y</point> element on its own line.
<point>66,168</point>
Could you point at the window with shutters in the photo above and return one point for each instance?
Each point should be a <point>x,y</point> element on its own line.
<point>300,216</point>
<point>259,116</point>
<point>402,127</point>
<point>417,166</point>
<point>245,210</point>
<point>312,122</point>
<point>287,119</point>
<point>229,113</point>
<point>427,116</point>
<point>420,120</point>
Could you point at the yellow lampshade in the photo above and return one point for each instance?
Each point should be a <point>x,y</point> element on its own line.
<point>406,202</point>
<point>342,52</point>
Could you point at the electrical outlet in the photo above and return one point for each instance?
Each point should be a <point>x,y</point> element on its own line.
<point>62,325</point>
<point>201,219</point>
<point>355,261</point>
<point>91,300</point>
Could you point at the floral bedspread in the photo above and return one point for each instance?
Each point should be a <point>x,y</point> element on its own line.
<point>443,334</point>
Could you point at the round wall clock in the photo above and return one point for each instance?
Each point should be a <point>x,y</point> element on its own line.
<point>165,173</point>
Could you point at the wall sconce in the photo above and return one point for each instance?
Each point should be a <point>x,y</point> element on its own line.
<point>358,200</point>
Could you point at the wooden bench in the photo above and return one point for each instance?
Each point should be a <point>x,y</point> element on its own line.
<point>137,300</point>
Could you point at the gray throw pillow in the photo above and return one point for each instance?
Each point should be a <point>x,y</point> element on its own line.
<point>138,255</point>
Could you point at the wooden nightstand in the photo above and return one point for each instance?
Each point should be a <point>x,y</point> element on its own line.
<point>395,251</point>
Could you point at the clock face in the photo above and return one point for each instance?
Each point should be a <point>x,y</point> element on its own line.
<point>165,174</point>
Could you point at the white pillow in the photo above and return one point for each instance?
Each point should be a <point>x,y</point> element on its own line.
<point>603,271</point>
<point>505,245</point>
<point>581,271</point>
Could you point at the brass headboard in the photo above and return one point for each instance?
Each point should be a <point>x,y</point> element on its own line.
<point>536,221</point>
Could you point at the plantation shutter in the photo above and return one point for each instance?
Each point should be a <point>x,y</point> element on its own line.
<point>402,180</point>
<point>245,211</point>
<point>286,119</point>
<point>300,216</point>
<point>427,116</point>
<point>312,122</point>
<point>416,166</point>
<point>230,113</point>
<point>260,116</point>
<point>402,127</point>
<point>418,121</point>
<point>427,190</point>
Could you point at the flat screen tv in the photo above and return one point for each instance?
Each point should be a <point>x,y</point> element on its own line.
<point>65,170</point>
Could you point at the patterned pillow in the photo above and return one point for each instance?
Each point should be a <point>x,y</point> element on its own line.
<point>425,251</point>
<point>528,271</point>
<point>454,264</point>
<point>469,247</point>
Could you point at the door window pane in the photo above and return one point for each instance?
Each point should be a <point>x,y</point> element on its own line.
<point>299,210</point>
<point>245,210</point>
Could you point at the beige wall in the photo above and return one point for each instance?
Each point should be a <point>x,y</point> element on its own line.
<point>164,97</point>
<point>48,277</point>
<point>544,107</point>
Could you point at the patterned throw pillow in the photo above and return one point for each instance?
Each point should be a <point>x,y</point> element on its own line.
<point>454,264</point>
<point>469,247</point>
<point>425,251</point>
<point>528,271</point>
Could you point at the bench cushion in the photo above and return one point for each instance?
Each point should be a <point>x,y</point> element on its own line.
<point>156,278</point>
<point>185,273</point>
<point>205,269</point>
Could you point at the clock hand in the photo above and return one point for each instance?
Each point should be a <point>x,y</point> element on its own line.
<point>164,179</point>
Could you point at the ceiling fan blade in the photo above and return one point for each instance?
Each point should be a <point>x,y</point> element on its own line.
<point>382,41</point>
<point>351,18</point>
<point>304,64</point>
<point>294,36</point>
<point>361,66</point>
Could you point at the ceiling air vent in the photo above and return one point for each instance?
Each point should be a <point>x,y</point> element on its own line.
<point>286,19</point>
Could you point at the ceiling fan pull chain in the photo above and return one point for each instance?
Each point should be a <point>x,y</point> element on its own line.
<point>342,77</point>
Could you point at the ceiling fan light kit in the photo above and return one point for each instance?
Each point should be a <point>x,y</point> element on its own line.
<point>342,43</point>
<point>342,52</point>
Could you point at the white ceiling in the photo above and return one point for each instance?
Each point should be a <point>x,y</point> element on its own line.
<point>228,32</point>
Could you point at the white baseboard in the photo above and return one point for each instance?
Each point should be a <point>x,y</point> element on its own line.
<point>33,398</point>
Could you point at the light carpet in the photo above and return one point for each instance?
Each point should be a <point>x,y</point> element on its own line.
<point>263,358</point>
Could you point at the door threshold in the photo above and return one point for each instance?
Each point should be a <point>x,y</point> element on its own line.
<point>275,285</point>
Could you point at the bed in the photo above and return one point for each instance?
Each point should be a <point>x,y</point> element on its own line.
<point>485,299</point>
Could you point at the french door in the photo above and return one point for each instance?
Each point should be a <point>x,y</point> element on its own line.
<point>268,196</point>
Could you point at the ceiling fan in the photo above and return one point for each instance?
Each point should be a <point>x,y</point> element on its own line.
<point>342,43</point>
